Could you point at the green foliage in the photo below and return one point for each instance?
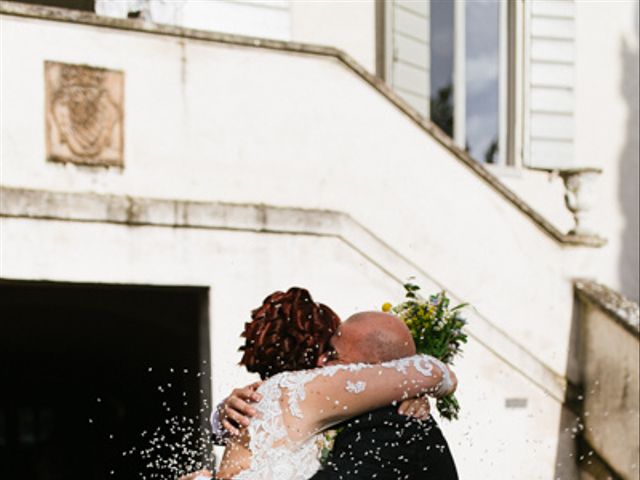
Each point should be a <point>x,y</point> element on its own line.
<point>325,443</point>
<point>437,331</point>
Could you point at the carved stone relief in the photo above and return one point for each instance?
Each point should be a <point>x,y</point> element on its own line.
<point>84,114</point>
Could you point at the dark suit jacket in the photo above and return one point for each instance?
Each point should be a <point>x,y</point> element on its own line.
<point>384,445</point>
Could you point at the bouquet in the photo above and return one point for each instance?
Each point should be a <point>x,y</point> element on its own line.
<point>437,330</point>
<point>324,444</point>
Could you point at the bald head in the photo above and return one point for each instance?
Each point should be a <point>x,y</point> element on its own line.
<point>373,337</point>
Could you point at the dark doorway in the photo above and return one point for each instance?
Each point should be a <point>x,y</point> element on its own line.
<point>102,381</point>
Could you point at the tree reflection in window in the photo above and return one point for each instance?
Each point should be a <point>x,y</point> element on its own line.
<point>442,43</point>
<point>442,109</point>
<point>482,82</point>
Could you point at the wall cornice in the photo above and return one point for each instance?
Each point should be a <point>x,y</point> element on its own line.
<point>623,311</point>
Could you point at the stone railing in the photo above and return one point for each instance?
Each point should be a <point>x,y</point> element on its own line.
<point>609,443</point>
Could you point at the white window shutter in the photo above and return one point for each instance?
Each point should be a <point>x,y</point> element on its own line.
<point>550,58</point>
<point>408,51</point>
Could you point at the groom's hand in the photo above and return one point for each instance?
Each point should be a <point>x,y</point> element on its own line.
<point>236,409</point>
<point>418,408</point>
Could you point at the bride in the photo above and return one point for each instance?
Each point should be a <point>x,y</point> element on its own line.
<point>290,335</point>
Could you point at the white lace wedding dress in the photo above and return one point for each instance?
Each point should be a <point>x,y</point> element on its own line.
<point>277,457</point>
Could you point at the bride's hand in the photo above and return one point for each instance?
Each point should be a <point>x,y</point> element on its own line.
<point>418,408</point>
<point>236,409</point>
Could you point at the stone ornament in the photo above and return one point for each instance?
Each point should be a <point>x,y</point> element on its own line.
<point>581,197</point>
<point>84,114</point>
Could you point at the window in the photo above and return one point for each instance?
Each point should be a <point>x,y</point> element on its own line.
<point>468,96</point>
<point>442,51</point>
<point>449,59</point>
<point>87,5</point>
<point>482,79</point>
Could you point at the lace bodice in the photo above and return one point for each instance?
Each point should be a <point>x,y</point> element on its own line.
<point>276,456</point>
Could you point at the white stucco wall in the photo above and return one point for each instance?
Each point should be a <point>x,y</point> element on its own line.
<point>349,25</point>
<point>606,136</point>
<point>213,122</point>
<point>542,190</point>
<point>607,130</point>
<point>256,18</point>
<point>606,99</point>
<point>241,268</point>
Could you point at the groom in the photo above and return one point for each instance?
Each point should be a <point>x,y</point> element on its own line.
<point>382,444</point>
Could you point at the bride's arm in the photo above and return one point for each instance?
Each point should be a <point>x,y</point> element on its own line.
<point>341,392</point>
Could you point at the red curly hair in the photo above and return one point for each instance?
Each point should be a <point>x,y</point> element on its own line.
<point>288,332</point>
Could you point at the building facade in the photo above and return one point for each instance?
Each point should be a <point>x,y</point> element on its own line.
<point>212,152</point>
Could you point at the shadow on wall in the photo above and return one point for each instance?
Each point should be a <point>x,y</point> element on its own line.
<point>629,197</point>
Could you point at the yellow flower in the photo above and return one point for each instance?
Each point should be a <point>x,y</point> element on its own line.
<point>386,307</point>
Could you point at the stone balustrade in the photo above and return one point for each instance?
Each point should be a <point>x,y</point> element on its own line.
<point>609,354</point>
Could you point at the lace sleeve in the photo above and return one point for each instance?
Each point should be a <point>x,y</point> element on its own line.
<point>424,364</point>
<point>325,396</point>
